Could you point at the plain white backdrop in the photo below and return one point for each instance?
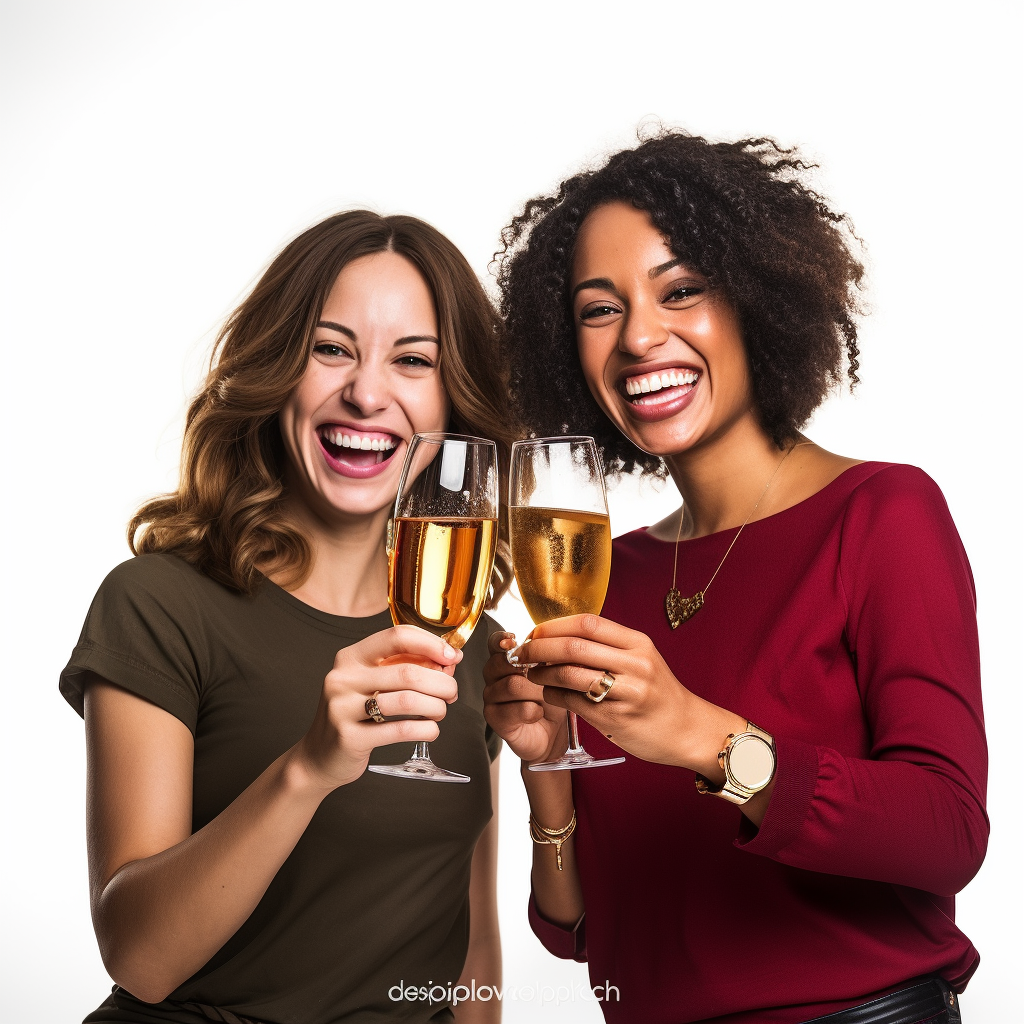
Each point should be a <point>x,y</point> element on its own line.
<point>155,156</point>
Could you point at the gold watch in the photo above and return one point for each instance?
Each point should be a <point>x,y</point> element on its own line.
<point>748,761</point>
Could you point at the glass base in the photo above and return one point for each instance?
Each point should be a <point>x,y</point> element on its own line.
<point>572,760</point>
<point>421,768</point>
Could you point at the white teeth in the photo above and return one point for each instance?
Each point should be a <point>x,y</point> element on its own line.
<point>366,444</point>
<point>657,381</point>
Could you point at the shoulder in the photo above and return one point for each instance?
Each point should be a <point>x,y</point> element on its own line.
<point>153,573</point>
<point>897,525</point>
<point>151,587</point>
<point>895,492</point>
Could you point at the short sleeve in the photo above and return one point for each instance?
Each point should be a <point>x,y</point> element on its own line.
<point>144,634</point>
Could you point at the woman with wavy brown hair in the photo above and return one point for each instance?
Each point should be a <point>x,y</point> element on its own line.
<point>243,864</point>
<point>789,661</point>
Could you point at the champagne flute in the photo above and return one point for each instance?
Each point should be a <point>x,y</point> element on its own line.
<point>561,547</point>
<point>441,546</point>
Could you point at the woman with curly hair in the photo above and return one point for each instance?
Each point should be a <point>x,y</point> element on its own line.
<point>789,661</point>
<point>239,674</point>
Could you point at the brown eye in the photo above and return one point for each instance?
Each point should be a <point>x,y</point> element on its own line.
<point>597,310</point>
<point>327,348</point>
<point>683,292</point>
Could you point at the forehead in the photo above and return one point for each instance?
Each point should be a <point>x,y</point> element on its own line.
<point>617,234</point>
<point>385,287</point>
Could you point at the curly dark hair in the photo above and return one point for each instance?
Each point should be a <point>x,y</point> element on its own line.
<point>741,215</point>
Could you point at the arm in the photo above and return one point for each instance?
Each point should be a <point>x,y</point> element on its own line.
<point>164,900</point>
<point>911,810</point>
<point>536,731</point>
<point>483,961</point>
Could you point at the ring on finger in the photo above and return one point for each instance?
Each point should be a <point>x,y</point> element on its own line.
<point>373,708</point>
<point>600,687</point>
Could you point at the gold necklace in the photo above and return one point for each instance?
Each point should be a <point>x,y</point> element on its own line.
<point>679,608</point>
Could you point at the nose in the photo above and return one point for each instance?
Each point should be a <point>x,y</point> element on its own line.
<point>367,390</point>
<point>642,330</point>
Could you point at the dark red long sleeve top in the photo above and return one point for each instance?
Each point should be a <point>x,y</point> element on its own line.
<point>846,627</point>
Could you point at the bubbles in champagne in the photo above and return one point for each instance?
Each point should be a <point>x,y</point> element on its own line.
<point>562,560</point>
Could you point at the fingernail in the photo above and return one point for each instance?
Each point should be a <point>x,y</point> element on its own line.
<point>449,651</point>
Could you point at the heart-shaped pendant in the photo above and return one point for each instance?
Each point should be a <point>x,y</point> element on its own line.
<point>679,608</point>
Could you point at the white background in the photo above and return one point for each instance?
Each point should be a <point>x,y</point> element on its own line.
<point>155,156</point>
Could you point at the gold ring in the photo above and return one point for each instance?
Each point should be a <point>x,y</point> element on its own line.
<point>605,681</point>
<point>373,708</point>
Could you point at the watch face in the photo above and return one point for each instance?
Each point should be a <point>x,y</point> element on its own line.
<point>751,762</point>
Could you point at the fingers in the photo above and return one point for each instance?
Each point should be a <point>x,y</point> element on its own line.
<point>564,651</point>
<point>403,640</point>
<point>410,730</point>
<point>589,627</point>
<point>512,687</point>
<point>500,641</point>
<point>410,703</point>
<point>503,718</point>
<point>409,676</point>
<point>575,702</point>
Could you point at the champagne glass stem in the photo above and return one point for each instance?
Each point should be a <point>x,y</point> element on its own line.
<point>575,747</point>
<point>420,752</point>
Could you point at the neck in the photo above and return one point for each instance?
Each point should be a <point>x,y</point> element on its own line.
<point>721,479</point>
<point>350,568</point>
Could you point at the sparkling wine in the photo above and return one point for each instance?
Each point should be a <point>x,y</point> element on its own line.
<point>439,572</point>
<point>562,560</point>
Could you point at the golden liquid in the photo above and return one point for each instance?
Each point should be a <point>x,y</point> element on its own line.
<point>562,560</point>
<point>439,572</point>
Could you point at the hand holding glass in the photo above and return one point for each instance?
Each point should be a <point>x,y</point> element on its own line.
<point>441,546</point>
<point>561,546</point>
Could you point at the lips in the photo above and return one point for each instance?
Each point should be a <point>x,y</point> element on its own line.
<point>356,453</point>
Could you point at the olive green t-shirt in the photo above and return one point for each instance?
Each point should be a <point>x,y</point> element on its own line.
<point>373,899</point>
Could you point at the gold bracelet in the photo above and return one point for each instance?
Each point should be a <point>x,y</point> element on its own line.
<point>552,836</point>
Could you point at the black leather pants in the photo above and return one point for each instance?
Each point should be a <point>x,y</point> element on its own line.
<point>922,1001</point>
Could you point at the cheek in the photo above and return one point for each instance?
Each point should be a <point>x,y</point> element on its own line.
<point>427,406</point>
<point>593,363</point>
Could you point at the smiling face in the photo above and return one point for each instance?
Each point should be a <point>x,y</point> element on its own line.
<point>371,383</point>
<point>661,352</point>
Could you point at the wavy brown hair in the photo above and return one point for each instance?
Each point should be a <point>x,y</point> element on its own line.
<point>743,215</point>
<point>227,516</point>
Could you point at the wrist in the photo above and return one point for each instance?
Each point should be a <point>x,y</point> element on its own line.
<point>300,778</point>
<point>550,796</point>
<point>703,741</point>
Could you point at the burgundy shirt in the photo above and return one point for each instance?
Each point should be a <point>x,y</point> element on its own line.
<point>845,626</point>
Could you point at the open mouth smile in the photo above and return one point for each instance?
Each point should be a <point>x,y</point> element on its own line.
<point>356,453</point>
<point>637,387</point>
<point>658,394</point>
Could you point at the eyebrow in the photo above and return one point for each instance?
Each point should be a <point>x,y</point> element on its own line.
<point>662,267</point>
<point>411,339</point>
<point>593,282</point>
<point>604,282</point>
